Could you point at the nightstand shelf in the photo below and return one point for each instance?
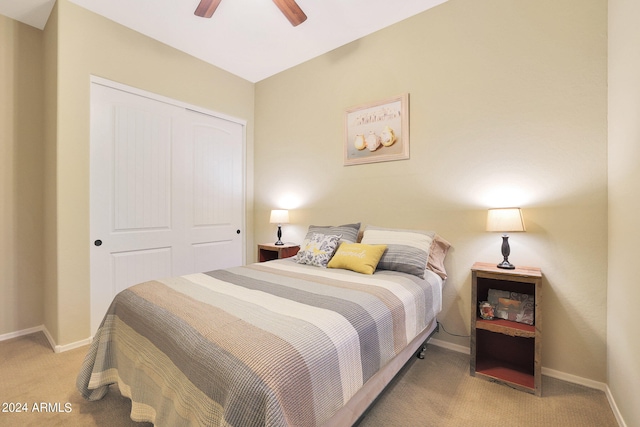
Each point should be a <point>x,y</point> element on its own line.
<point>269,251</point>
<point>505,351</point>
<point>506,327</point>
<point>501,371</point>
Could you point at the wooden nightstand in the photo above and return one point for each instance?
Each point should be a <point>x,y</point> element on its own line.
<point>269,251</point>
<point>501,350</point>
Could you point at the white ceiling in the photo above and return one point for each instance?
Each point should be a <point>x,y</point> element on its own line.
<point>31,12</point>
<point>249,38</point>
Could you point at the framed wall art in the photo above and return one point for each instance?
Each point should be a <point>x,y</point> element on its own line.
<point>377,131</point>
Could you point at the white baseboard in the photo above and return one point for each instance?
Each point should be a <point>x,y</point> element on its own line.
<point>450,346</point>
<point>591,384</point>
<point>574,379</point>
<point>615,409</point>
<point>52,342</point>
<point>72,346</point>
<point>56,348</point>
<point>21,333</point>
<point>553,374</point>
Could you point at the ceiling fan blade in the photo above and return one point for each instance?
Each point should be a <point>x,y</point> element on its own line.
<point>292,11</point>
<point>206,8</point>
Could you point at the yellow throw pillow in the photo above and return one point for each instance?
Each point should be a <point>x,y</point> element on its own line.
<point>357,257</point>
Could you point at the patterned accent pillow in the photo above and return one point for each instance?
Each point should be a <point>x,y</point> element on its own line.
<point>407,250</point>
<point>318,250</point>
<point>349,232</point>
<point>357,257</point>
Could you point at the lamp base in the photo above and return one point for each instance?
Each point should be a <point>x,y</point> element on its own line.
<point>279,242</point>
<point>506,265</point>
<point>505,254</point>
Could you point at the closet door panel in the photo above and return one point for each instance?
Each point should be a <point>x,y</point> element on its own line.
<point>167,192</point>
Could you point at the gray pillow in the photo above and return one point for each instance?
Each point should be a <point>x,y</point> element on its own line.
<point>407,250</point>
<point>349,232</point>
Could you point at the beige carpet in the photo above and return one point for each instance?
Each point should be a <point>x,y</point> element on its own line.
<point>437,391</point>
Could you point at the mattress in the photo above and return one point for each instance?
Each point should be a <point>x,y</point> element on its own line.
<point>268,344</point>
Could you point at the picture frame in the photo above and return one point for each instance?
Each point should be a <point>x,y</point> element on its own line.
<point>377,131</point>
<point>513,306</point>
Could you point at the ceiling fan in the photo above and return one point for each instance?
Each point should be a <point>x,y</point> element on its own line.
<point>289,8</point>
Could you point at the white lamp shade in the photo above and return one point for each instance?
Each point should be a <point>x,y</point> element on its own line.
<point>279,216</point>
<point>505,220</point>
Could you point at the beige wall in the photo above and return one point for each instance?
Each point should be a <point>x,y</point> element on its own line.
<point>21,178</point>
<point>508,107</point>
<point>88,44</point>
<point>507,99</point>
<point>623,316</point>
<point>50,169</point>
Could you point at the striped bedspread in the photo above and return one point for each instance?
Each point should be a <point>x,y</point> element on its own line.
<point>268,344</point>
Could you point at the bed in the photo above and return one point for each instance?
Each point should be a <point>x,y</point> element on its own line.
<point>281,343</point>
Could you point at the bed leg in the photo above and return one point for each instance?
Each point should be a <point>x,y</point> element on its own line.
<point>421,352</point>
<point>423,349</point>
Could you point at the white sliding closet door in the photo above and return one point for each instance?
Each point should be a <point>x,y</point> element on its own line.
<point>214,192</point>
<point>167,192</point>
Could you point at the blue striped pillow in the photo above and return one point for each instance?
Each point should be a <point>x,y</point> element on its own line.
<point>407,250</point>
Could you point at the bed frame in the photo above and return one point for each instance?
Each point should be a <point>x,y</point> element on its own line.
<point>356,408</point>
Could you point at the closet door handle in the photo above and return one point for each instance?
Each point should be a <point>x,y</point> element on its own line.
<point>238,231</point>
<point>98,242</point>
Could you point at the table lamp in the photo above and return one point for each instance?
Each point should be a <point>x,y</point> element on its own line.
<point>279,216</point>
<point>505,220</point>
